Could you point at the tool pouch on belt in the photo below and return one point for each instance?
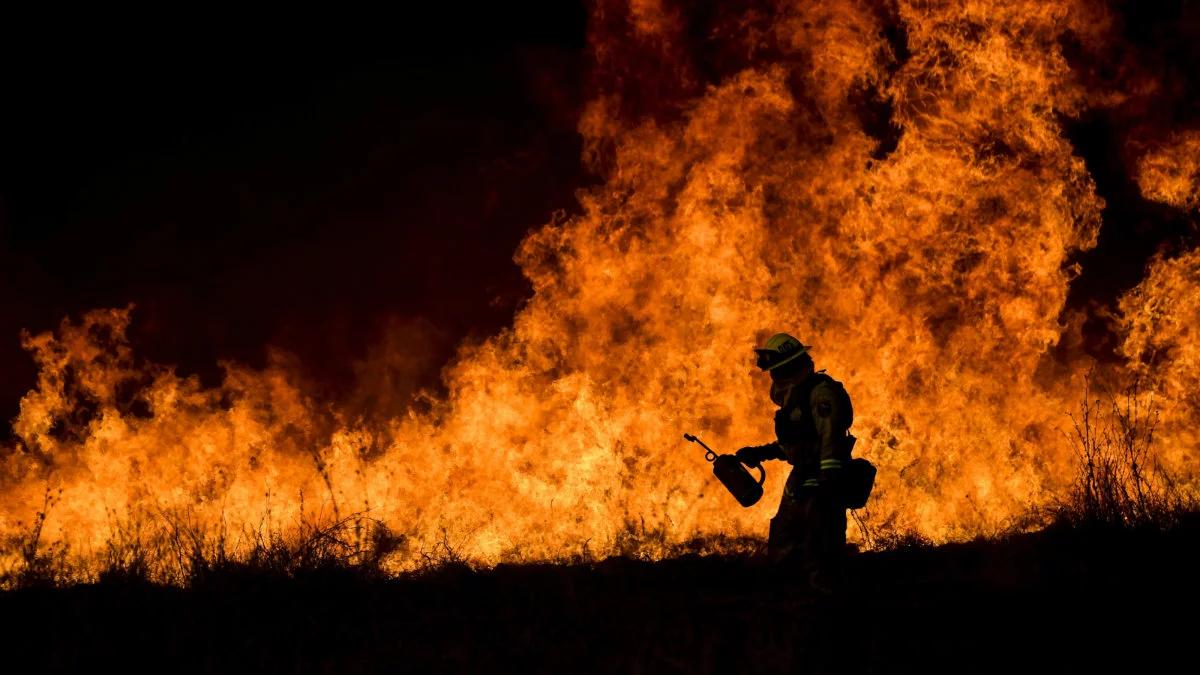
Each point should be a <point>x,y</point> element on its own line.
<point>860,479</point>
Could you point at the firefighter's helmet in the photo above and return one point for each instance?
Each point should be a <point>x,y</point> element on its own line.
<point>780,348</point>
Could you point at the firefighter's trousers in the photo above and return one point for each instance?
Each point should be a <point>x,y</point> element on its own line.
<point>809,531</point>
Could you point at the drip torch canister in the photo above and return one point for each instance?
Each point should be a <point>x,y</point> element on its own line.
<point>729,470</point>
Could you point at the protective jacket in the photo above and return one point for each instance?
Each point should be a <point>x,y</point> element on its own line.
<point>811,430</point>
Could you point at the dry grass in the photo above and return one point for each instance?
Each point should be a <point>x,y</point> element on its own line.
<point>1120,481</point>
<point>172,547</point>
<point>38,562</point>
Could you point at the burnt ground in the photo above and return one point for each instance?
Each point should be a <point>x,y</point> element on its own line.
<point>1063,601</point>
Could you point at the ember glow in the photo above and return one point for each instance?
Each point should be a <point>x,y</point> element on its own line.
<point>754,189</point>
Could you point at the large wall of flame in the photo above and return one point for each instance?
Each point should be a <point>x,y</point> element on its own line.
<point>745,192</point>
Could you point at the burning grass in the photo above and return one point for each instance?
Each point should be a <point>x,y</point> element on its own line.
<point>1120,484</point>
<point>171,548</point>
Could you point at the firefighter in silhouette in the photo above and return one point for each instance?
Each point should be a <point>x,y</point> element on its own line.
<point>811,428</point>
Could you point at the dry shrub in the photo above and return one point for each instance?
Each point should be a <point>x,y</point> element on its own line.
<point>355,543</point>
<point>1120,481</point>
<point>36,562</point>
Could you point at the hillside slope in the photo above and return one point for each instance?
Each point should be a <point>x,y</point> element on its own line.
<point>1065,600</point>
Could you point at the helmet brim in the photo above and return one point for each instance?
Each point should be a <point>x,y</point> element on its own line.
<point>766,354</point>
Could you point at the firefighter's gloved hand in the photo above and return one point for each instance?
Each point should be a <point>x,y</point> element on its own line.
<point>751,457</point>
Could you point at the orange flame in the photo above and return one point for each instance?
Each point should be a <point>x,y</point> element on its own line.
<point>931,278</point>
<point>1171,173</point>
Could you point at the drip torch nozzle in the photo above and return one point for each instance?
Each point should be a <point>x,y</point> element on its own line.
<point>709,453</point>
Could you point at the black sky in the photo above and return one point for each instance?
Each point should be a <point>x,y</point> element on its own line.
<point>296,182</point>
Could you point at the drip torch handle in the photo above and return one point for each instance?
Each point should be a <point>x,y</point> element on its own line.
<point>709,453</point>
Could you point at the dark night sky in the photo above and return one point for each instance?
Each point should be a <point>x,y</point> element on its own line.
<point>254,181</point>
